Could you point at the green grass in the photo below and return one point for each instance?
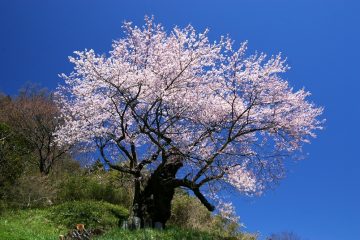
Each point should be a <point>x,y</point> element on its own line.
<point>28,224</point>
<point>94,214</point>
<point>49,223</point>
<point>150,234</point>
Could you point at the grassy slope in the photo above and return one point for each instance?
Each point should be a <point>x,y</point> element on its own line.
<point>35,225</point>
<point>169,234</point>
<point>28,224</point>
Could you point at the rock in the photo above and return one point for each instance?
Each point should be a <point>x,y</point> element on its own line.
<point>125,224</point>
<point>133,223</point>
<point>137,222</point>
<point>158,225</point>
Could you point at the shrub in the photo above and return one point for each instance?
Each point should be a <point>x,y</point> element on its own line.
<point>93,214</point>
<point>188,212</point>
<point>67,182</point>
<point>3,206</point>
<point>13,151</point>
<point>97,187</point>
<point>31,190</point>
<point>27,187</point>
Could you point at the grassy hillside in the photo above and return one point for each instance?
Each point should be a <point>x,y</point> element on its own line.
<point>168,234</point>
<point>35,224</point>
<point>28,224</point>
<point>49,223</point>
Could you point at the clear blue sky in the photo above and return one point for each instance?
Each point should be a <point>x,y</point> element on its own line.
<point>320,197</point>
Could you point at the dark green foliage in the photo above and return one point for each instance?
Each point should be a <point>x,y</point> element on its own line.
<point>93,214</point>
<point>13,150</point>
<point>3,206</point>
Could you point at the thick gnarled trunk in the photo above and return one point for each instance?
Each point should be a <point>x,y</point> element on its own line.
<point>152,198</point>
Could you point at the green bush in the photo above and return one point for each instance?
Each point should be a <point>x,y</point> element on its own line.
<point>188,212</point>
<point>32,190</point>
<point>93,214</point>
<point>67,182</point>
<point>13,152</point>
<point>3,206</point>
<point>97,187</point>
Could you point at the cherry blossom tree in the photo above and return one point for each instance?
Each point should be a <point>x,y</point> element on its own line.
<point>176,110</point>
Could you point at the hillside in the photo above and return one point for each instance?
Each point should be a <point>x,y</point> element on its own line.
<point>48,223</point>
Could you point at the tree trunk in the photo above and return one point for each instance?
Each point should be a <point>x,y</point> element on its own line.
<point>44,167</point>
<point>152,198</point>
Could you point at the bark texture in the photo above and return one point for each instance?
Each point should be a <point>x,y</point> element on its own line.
<point>153,196</point>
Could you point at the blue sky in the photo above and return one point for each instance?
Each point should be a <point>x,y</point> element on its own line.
<point>320,197</point>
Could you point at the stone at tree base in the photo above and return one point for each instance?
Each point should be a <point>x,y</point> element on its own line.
<point>133,223</point>
<point>125,225</point>
<point>158,226</point>
<point>137,222</point>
